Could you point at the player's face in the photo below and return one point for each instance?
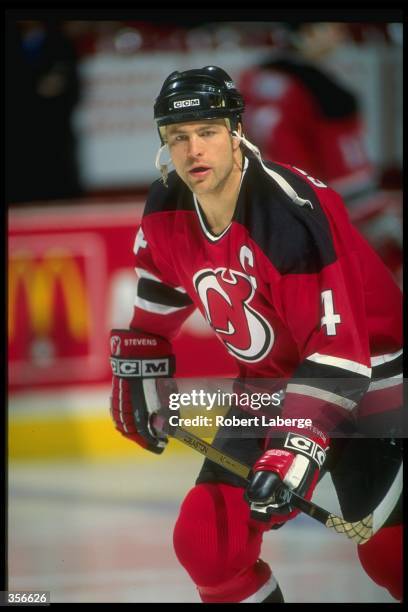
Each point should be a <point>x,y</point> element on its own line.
<point>202,153</point>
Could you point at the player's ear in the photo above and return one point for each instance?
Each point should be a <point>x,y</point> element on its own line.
<point>239,129</point>
<point>236,141</point>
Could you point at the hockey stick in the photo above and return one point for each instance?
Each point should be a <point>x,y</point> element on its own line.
<point>359,531</point>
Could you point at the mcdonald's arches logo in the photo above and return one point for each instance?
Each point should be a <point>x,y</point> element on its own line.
<point>39,279</point>
<point>55,307</point>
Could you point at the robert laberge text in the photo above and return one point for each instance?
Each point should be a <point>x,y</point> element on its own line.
<point>221,421</point>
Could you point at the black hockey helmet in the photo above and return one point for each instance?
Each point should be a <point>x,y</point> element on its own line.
<point>202,93</point>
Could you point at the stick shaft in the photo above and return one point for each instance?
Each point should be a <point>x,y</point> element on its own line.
<point>359,531</point>
<point>242,470</point>
<point>212,453</point>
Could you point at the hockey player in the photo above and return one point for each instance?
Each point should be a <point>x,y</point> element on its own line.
<point>299,112</point>
<point>268,255</point>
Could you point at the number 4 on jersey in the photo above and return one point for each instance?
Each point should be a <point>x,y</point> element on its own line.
<point>329,319</point>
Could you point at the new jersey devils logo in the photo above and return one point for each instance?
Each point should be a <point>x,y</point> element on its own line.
<point>226,296</point>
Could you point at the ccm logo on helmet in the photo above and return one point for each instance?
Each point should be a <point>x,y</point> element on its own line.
<point>185,103</point>
<point>139,368</point>
<point>305,446</point>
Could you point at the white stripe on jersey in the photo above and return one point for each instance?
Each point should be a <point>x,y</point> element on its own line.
<point>338,362</point>
<point>385,383</point>
<point>141,273</point>
<point>157,308</point>
<point>380,359</point>
<point>322,394</point>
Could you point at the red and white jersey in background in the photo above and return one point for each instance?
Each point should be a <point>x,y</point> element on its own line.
<point>291,289</point>
<point>300,115</point>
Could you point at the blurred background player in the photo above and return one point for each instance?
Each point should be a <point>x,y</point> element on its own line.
<point>300,112</point>
<point>268,255</point>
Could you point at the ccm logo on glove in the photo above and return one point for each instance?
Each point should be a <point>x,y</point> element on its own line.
<point>305,446</point>
<point>143,368</point>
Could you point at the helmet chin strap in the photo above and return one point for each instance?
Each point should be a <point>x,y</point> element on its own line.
<point>284,185</point>
<point>163,168</point>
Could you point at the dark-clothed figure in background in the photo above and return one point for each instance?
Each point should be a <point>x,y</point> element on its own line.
<point>42,91</point>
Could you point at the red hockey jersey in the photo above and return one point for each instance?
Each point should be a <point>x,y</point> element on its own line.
<point>291,289</point>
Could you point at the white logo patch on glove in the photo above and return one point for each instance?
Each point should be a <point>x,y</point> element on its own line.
<point>305,446</point>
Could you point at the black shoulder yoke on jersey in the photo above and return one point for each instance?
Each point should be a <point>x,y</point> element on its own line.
<point>296,239</point>
<point>334,101</point>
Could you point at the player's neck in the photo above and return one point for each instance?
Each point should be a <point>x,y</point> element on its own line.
<point>219,205</point>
